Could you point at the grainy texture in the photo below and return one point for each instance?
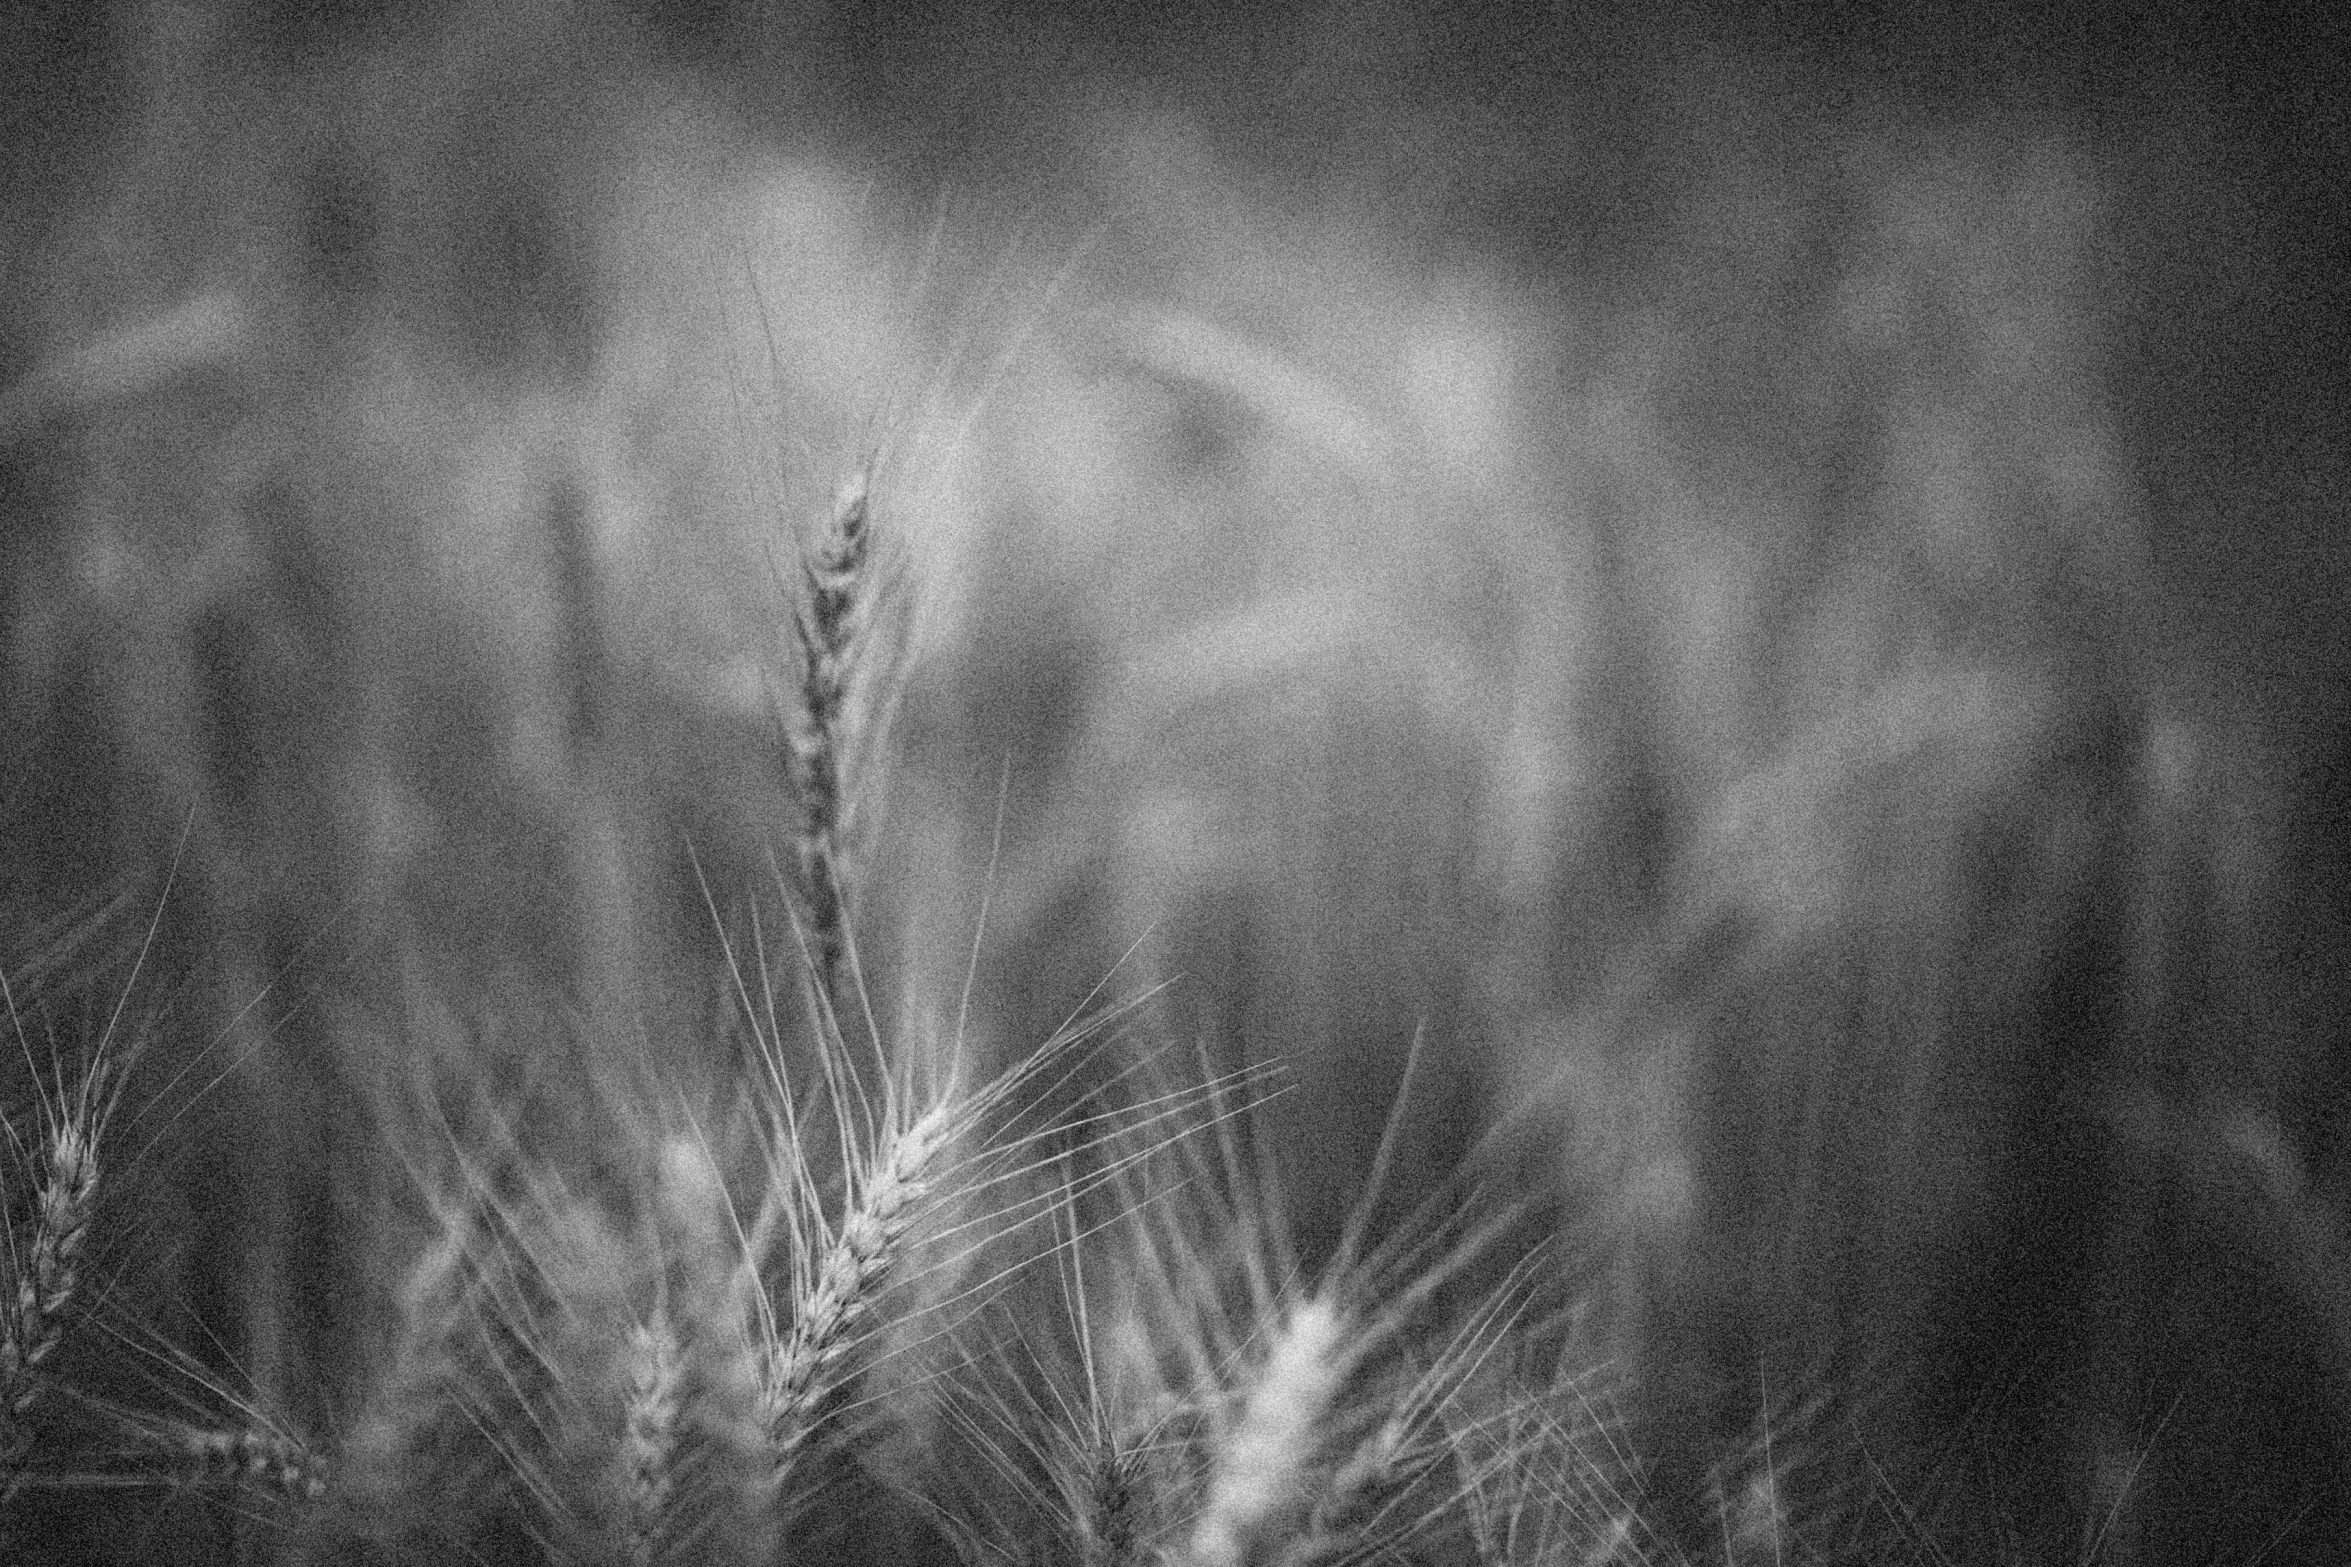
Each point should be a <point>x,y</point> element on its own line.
<point>1693,671</point>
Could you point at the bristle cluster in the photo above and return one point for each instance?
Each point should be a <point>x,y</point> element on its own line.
<point>1192,1396</point>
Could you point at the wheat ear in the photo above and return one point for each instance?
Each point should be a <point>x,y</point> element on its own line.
<point>902,1169</point>
<point>1115,1508</point>
<point>244,1457</point>
<point>32,1320</point>
<point>833,721</point>
<point>1362,1511</point>
<point>852,1266</point>
<point>649,1434</point>
<point>1258,1483</point>
<point>46,1280</point>
<point>67,1199</point>
<point>1059,1450</point>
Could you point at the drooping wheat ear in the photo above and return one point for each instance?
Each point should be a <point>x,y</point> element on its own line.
<point>649,1434</point>
<point>834,722</point>
<point>851,1266</point>
<point>1264,1458</point>
<point>244,1458</point>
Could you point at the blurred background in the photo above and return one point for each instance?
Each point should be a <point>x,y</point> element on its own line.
<point>1765,585</point>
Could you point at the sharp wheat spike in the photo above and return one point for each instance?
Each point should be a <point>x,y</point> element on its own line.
<point>810,1366</point>
<point>47,1278</point>
<point>835,717</point>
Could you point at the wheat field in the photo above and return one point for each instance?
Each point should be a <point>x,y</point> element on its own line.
<point>1363,786</point>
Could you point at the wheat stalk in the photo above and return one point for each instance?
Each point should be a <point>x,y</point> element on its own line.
<point>501,1326</point>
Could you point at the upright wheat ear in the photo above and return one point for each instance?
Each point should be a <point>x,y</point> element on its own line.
<point>649,1434</point>
<point>46,1278</point>
<point>834,721</point>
